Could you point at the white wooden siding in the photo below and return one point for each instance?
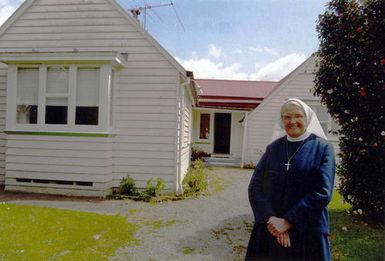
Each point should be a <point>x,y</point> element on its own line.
<point>145,127</point>
<point>3,87</point>
<point>186,139</point>
<point>261,121</point>
<point>56,158</point>
<point>144,93</point>
<point>64,25</point>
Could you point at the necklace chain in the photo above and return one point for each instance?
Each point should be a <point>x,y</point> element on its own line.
<point>287,154</point>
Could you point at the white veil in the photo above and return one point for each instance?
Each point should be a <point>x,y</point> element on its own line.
<point>312,123</point>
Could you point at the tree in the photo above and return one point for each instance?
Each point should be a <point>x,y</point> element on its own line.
<point>351,82</point>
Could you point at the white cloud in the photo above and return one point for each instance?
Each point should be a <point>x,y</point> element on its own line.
<point>214,51</point>
<point>206,69</point>
<point>263,49</point>
<point>7,7</point>
<point>277,69</point>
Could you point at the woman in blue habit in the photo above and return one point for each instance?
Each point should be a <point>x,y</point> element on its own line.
<point>290,190</point>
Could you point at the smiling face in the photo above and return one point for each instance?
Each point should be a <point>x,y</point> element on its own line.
<point>294,120</point>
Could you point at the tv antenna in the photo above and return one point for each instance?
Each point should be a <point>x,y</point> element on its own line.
<point>138,11</point>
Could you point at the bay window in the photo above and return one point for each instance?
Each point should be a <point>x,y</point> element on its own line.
<point>69,97</point>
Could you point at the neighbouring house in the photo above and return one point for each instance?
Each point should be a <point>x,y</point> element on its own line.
<point>234,120</point>
<point>259,124</point>
<point>219,117</point>
<point>89,97</point>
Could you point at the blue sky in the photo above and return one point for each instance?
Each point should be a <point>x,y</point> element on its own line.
<point>230,39</point>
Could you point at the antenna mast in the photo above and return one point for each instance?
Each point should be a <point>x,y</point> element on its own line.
<point>137,11</point>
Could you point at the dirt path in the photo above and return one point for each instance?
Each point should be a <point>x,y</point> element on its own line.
<point>216,227</point>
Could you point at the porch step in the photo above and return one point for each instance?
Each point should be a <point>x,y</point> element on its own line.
<point>223,161</point>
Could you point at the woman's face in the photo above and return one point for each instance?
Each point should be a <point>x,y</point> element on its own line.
<point>294,120</point>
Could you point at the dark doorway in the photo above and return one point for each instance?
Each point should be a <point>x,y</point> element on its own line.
<point>222,126</point>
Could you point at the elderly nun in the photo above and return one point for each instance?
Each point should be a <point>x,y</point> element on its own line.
<point>291,188</point>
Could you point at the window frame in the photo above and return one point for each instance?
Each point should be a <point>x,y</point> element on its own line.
<point>105,81</point>
<point>208,122</point>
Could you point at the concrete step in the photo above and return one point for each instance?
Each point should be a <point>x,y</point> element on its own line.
<point>223,161</point>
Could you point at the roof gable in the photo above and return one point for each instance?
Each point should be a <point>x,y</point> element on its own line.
<point>77,25</point>
<point>283,83</point>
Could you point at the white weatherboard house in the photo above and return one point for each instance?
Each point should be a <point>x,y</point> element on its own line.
<point>259,124</point>
<point>225,126</point>
<point>89,97</point>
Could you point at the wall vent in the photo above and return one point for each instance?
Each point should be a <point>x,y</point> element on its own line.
<point>59,182</point>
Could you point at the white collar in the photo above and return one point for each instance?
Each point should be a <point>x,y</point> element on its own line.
<point>300,138</point>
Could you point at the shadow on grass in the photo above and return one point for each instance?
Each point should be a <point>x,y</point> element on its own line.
<point>226,241</point>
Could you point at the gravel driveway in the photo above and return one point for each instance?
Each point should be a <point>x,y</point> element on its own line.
<point>215,227</point>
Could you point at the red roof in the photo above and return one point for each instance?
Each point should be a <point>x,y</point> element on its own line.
<point>232,94</point>
<point>235,88</point>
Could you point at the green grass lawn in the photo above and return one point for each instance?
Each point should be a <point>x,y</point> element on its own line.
<point>35,233</point>
<point>352,239</point>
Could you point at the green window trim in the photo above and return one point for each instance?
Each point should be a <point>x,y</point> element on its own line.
<point>66,134</point>
<point>202,142</point>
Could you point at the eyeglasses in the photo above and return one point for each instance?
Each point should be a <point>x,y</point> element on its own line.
<point>295,117</point>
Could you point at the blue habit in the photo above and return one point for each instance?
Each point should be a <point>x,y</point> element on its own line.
<point>299,194</point>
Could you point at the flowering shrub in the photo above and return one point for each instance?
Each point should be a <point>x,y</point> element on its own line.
<point>351,82</point>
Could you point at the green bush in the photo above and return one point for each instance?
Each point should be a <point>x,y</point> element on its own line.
<point>127,187</point>
<point>152,190</point>
<point>196,180</point>
<point>350,81</point>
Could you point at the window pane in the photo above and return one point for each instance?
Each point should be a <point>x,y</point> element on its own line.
<point>204,132</point>
<point>87,115</point>
<point>87,96</point>
<point>57,79</point>
<point>56,111</point>
<point>27,95</point>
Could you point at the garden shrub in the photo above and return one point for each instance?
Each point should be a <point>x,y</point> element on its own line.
<point>350,80</point>
<point>152,190</point>
<point>128,187</point>
<point>198,154</point>
<point>196,180</point>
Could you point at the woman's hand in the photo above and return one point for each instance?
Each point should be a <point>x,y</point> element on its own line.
<point>284,239</point>
<point>276,225</point>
